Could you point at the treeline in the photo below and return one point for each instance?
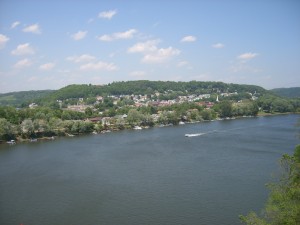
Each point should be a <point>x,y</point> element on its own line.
<point>283,204</point>
<point>40,122</point>
<point>271,103</point>
<point>44,121</point>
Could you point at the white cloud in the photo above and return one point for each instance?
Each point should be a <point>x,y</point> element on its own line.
<point>188,39</point>
<point>81,58</point>
<point>105,37</point>
<point>14,24</point>
<point>153,54</point>
<point>98,66</point>
<point>218,45</point>
<point>24,49</point>
<point>23,63</point>
<point>47,66</point>
<point>161,55</point>
<point>3,40</point>
<point>148,46</point>
<point>107,14</point>
<point>247,56</point>
<point>34,28</point>
<point>119,35</point>
<point>79,35</point>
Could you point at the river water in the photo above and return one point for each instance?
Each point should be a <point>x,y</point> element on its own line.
<point>154,176</point>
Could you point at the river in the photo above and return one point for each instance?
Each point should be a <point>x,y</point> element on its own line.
<point>142,177</point>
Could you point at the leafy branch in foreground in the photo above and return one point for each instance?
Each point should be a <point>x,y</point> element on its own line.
<point>283,205</point>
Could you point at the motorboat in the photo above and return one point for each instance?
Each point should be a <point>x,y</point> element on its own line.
<point>193,135</point>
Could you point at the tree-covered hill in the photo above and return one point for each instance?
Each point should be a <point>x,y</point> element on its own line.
<point>293,92</point>
<point>22,97</point>
<point>149,87</point>
<point>140,87</point>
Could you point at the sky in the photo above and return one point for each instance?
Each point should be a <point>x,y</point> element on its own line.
<point>55,43</point>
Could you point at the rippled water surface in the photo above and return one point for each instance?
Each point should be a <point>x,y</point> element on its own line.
<point>154,176</point>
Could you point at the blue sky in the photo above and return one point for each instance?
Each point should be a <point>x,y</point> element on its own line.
<point>51,44</point>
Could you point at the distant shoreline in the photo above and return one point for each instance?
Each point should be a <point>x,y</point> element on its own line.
<point>145,127</point>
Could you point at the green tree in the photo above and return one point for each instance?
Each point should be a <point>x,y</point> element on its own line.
<point>207,114</point>
<point>283,205</point>
<point>225,109</point>
<point>134,117</point>
<point>88,112</point>
<point>27,128</point>
<point>7,131</point>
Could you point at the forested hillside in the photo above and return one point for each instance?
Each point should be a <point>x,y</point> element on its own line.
<point>143,87</point>
<point>293,92</point>
<point>22,97</point>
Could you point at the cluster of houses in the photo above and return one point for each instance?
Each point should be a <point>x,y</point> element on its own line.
<point>145,100</point>
<point>148,100</point>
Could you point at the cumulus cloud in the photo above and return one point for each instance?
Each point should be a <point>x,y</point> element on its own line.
<point>107,14</point>
<point>34,28</point>
<point>141,47</point>
<point>3,40</point>
<point>24,49</point>
<point>81,58</point>
<point>218,45</point>
<point>79,35</point>
<point>153,54</point>
<point>47,66</point>
<point>160,55</point>
<point>14,24</point>
<point>119,35</point>
<point>96,66</point>
<point>23,63</point>
<point>188,39</point>
<point>247,56</point>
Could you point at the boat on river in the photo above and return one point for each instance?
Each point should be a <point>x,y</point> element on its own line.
<point>11,142</point>
<point>193,135</point>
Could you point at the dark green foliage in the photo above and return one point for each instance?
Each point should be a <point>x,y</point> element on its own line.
<point>271,103</point>
<point>225,109</point>
<point>7,131</point>
<point>283,205</point>
<point>170,89</point>
<point>22,98</point>
<point>293,92</point>
<point>245,109</point>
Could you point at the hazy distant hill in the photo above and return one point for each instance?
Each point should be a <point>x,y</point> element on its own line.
<point>293,92</point>
<point>22,97</point>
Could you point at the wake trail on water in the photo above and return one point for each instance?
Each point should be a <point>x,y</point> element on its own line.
<point>229,130</point>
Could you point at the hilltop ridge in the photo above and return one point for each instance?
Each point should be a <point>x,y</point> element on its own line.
<point>139,87</point>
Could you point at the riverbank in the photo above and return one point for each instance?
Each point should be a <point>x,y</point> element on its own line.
<point>275,113</point>
<point>113,128</point>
